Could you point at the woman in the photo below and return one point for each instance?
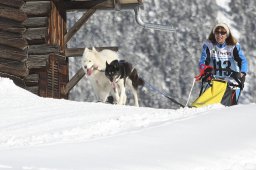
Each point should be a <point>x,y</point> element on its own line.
<point>223,53</point>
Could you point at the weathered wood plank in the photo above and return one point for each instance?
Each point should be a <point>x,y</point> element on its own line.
<point>43,81</point>
<point>17,80</point>
<point>10,28</point>
<point>19,43</point>
<point>37,8</point>
<point>10,34</point>
<point>57,25</point>
<point>32,80</point>
<point>13,14</point>
<point>55,78</point>
<point>37,61</point>
<point>78,52</point>
<point>12,54</point>
<point>9,22</point>
<point>12,3</point>
<point>98,4</point>
<point>75,79</point>
<point>102,4</point>
<point>83,20</point>
<point>13,67</point>
<point>36,22</point>
<point>33,89</point>
<point>42,49</point>
<point>74,52</point>
<point>35,0</point>
<point>130,1</point>
<point>36,35</point>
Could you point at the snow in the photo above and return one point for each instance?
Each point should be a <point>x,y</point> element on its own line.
<point>52,134</point>
<point>224,4</point>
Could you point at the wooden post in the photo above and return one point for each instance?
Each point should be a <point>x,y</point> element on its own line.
<point>57,26</point>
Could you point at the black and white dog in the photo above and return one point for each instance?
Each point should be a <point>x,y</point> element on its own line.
<point>122,70</point>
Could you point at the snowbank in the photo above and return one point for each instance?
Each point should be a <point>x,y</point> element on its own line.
<point>40,133</point>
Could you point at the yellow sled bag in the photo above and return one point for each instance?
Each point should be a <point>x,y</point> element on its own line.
<point>218,92</point>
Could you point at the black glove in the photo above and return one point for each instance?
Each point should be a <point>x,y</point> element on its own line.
<point>242,77</point>
<point>239,78</point>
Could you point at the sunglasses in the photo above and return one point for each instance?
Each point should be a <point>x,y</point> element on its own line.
<point>220,32</point>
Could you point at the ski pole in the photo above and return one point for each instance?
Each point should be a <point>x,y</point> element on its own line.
<point>194,80</point>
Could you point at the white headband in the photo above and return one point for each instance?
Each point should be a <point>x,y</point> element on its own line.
<point>222,25</point>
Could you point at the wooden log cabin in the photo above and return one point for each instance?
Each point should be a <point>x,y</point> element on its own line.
<point>33,42</point>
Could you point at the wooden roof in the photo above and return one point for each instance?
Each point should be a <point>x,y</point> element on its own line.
<point>98,4</point>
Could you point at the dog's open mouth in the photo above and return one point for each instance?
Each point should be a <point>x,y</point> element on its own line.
<point>89,71</point>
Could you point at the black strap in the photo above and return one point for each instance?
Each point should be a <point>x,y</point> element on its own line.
<point>233,75</point>
<point>163,93</point>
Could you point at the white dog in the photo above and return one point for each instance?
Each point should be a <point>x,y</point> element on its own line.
<point>94,64</point>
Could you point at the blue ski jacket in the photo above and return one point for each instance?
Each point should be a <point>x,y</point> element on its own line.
<point>223,56</point>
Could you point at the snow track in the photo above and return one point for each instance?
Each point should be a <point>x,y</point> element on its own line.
<point>28,120</point>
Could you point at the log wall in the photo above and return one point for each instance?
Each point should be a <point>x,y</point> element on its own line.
<point>13,46</point>
<point>31,31</point>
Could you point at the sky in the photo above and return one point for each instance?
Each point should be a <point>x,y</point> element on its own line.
<point>56,134</point>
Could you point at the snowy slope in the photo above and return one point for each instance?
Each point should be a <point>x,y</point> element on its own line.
<point>49,134</point>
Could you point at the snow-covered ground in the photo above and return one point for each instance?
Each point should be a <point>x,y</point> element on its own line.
<point>49,134</point>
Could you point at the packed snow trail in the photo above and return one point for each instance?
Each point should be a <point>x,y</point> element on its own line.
<point>49,134</point>
<point>29,120</point>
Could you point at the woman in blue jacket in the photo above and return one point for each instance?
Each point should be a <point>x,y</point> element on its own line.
<point>223,52</point>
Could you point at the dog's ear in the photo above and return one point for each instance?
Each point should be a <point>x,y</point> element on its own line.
<point>85,52</point>
<point>107,63</point>
<point>93,49</point>
<point>86,49</point>
<point>115,62</point>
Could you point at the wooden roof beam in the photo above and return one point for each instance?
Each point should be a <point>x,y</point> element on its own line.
<point>69,5</point>
<point>78,25</point>
<point>78,52</point>
<point>97,4</point>
<point>101,4</point>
